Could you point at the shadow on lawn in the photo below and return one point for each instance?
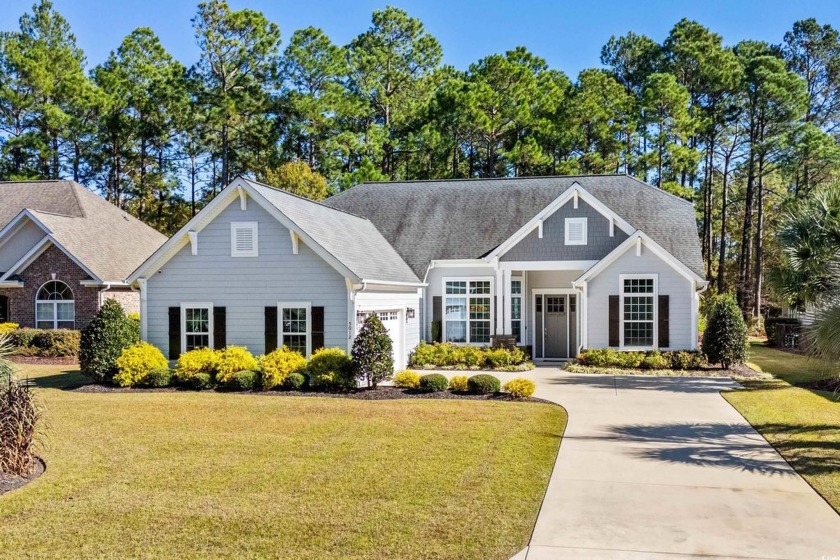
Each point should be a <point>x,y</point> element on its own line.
<point>69,379</point>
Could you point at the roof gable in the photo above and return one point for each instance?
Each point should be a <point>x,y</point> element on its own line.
<point>468,219</point>
<point>349,243</point>
<point>103,239</point>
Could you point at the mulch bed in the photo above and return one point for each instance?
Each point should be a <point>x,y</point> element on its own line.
<point>383,393</point>
<point>735,372</point>
<point>831,384</point>
<point>40,360</point>
<point>9,482</point>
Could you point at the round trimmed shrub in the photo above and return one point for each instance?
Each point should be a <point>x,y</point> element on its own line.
<point>459,384</point>
<point>407,379</point>
<point>725,339</point>
<point>245,380</point>
<point>103,340</point>
<point>158,378</point>
<point>331,369</point>
<point>198,361</point>
<point>277,366</point>
<point>434,383</point>
<point>294,382</point>
<point>136,362</point>
<point>483,384</point>
<point>200,381</point>
<point>520,388</point>
<point>233,359</point>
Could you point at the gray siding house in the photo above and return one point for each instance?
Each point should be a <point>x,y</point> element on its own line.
<point>559,263</point>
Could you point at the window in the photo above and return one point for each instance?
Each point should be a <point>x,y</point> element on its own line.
<point>244,241</point>
<point>576,231</point>
<point>196,326</point>
<point>638,310</point>
<point>516,309</point>
<point>295,326</point>
<point>55,307</point>
<point>468,311</point>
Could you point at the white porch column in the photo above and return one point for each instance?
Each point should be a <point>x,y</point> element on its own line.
<point>508,295</point>
<point>498,290</point>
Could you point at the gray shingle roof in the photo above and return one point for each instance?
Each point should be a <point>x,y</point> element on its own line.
<point>352,240</point>
<point>466,219</point>
<point>108,241</point>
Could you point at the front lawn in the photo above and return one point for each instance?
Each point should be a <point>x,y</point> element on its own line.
<point>184,474</point>
<point>803,425</point>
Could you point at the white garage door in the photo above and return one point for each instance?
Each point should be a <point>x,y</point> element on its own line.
<point>393,322</point>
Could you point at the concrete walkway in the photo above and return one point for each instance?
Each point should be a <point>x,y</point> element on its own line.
<point>654,467</point>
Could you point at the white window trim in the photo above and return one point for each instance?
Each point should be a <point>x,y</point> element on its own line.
<point>196,305</point>
<point>521,297</point>
<point>582,221</point>
<point>491,295</point>
<point>254,227</point>
<point>281,305</point>
<point>55,319</point>
<point>655,295</point>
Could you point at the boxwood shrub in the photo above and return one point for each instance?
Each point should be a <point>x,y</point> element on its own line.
<point>449,356</point>
<point>294,382</point>
<point>655,360</point>
<point>245,380</point>
<point>483,384</point>
<point>433,383</point>
<point>331,369</point>
<point>58,343</point>
<point>157,378</point>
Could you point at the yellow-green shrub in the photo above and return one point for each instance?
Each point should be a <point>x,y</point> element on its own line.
<point>520,387</point>
<point>136,362</point>
<point>200,360</point>
<point>459,384</point>
<point>6,328</point>
<point>407,379</point>
<point>233,359</point>
<point>277,366</point>
<point>331,368</point>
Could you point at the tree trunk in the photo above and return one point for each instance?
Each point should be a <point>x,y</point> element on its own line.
<point>721,279</point>
<point>759,239</point>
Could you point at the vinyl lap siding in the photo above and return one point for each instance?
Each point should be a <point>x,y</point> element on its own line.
<point>19,244</point>
<point>246,285</point>
<point>670,283</point>
<point>552,246</point>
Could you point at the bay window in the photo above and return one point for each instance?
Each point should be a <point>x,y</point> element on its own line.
<point>468,311</point>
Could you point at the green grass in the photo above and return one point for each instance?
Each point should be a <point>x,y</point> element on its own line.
<point>803,425</point>
<point>184,474</point>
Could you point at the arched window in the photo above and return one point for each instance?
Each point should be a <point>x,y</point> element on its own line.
<point>55,307</point>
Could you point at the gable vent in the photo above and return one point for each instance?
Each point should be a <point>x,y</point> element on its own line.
<point>243,239</point>
<point>575,231</point>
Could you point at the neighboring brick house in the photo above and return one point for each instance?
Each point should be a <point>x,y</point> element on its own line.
<point>64,251</point>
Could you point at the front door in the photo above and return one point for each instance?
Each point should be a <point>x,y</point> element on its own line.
<point>556,326</point>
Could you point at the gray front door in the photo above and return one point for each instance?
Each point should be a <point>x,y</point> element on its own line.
<point>556,327</point>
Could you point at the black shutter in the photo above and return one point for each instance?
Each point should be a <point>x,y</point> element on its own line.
<point>174,333</point>
<point>615,325</point>
<point>4,309</point>
<point>270,329</point>
<point>437,318</point>
<point>317,328</point>
<point>664,322</point>
<point>219,327</point>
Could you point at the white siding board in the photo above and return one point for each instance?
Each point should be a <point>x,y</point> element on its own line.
<point>670,282</point>
<point>246,285</point>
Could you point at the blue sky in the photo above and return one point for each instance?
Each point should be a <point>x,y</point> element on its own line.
<point>569,35</point>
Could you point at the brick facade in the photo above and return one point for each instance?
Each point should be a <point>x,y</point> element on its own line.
<point>129,300</point>
<point>52,261</point>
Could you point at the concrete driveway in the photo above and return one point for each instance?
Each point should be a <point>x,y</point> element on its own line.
<point>654,467</point>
